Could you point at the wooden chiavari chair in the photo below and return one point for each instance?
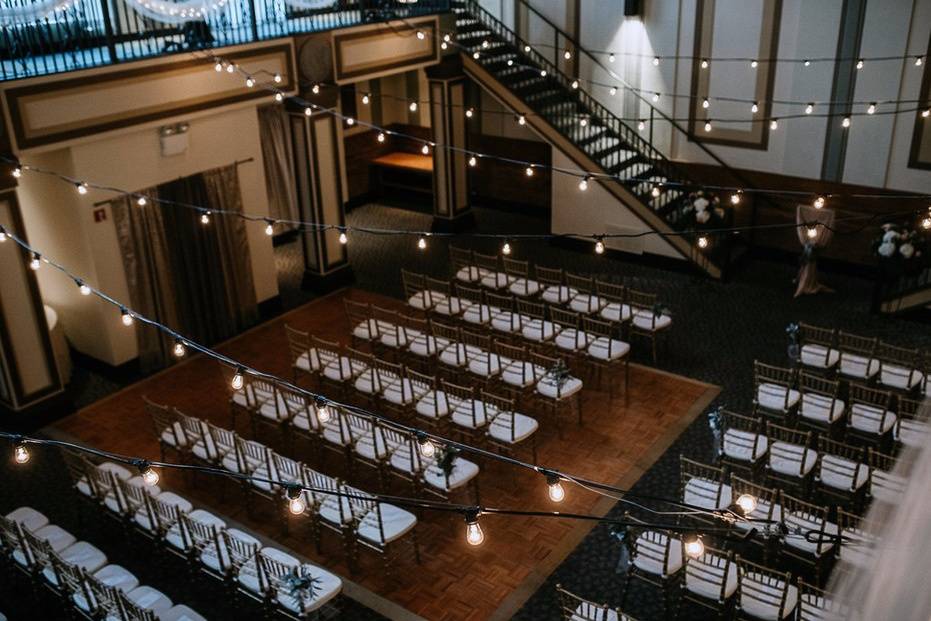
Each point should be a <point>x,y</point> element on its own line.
<point>571,339</point>
<point>467,413</point>
<point>280,569</point>
<point>397,394</point>
<point>811,537</point>
<point>774,392</point>
<point>702,485</point>
<point>657,557</point>
<point>616,308</point>
<point>205,545</point>
<point>606,353</point>
<point>159,515</point>
<point>711,580</point>
<point>886,485</point>
<point>647,318</point>
<point>858,541</point>
<point>764,593</point>
<point>575,608</point>
<point>392,334</point>
<point>489,267</point>
<point>240,551</point>
<point>553,390</point>
<point>168,429</point>
<point>553,282</point>
<point>464,268</point>
<point>430,407</point>
<point>363,328</point>
<point>842,471</point>
<point>477,311</point>
<point>449,306</point>
<point>273,413</point>
<point>900,368</point>
<point>766,513</point>
<point>453,355</point>
<point>871,417</point>
<point>791,460</point>
<point>517,374</point>
<point>416,292</point>
<point>330,509</point>
<point>535,327</point>
<point>815,604</point>
<point>743,443</point>
<point>857,356</point>
<point>505,320</point>
<point>508,428</point>
<point>912,428</point>
<point>520,282</point>
<point>818,347</point>
<point>821,407</point>
<point>481,359</point>
<point>586,300</point>
<point>304,360</point>
<point>423,347</point>
<point>368,443</point>
<point>380,527</point>
<point>365,381</point>
<point>219,443</point>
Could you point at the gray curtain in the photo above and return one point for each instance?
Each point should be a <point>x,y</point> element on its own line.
<point>822,221</point>
<point>147,262</point>
<point>278,164</point>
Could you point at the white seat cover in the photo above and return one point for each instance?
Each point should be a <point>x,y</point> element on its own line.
<point>744,446</point>
<point>495,280</point>
<point>774,397</point>
<point>760,598</point>
<point>500,427</point>
<point>912,433</point>
<point>433,404</point>
<point>150,598</point>
<point>421,301</point>
<point>651,548</point>
<point>899,377</point>
<point>855,365</point>
<point>603,348</point>
<point>117,577</point>
<point>538,329</point>
<point>586,611</point>
<point>462,472</point>
<point>558,294</point>
<point>183,505</point>
<point>615,311</point>
<point>819,356</point>
<point>308,361</point>
<point>571,339</point>
<point>842,474</point>
<point>647,320</point>
<point>57,537</point>
<point>211,559</point>
<point>786,458</point>
<point>518,373</point>
<point>81,554</point>
<point>469,413</point>
<point>368,382</point>
<point>707,583</point>
<point>470,273</point>
<point>28,518</point>
<point>181,613</point>
<point>426,345</point>
<point>173,435</point>
<point>454,355</point>
<point>524,287</point>
<point>505,321</point>
<point>366,330</point>
<point>330,510</point>
<point>586,303</point>
<point>706,493</point>
<point>886,487</point>
<point>807,523</point>
<point>485,365</point>
<point>396,522</point>
<point>871,419</point>
<point>821,408</point>
<point>548,387</point>
<point>399,392</point>
<point>478,314</point>
<point>760,512</point>
<point>451,306</point>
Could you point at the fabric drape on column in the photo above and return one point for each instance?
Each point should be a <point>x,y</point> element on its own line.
<point>147,261</point>
<point>822,220</point>
<point>223,192</point>
<point>278,164</point>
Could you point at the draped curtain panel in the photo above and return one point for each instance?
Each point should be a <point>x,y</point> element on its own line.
<point>822,221</point>
<point>279,174</point>
<point>196,279</point>
<point>146,259</point>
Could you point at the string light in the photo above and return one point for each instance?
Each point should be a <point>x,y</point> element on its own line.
<point>218,67</point>
<point>871,109</point>
<point>521,120</point>
<point>529,171</point>
<point>567,55</point>
<point>315,89</point>
<point>343,239</point>
<point>141,201</point>
<point>747,503</point>
<point>485,44</point>
<point>81,187</point>
<point>250,82</point>
<point>205,217</point>
<point>506,248</point>
<point>599,245</point>
<point>708,126</point>
<point>322,411</point>
<point>83,288</point>
<point>735,197</point>
<point>35,263</point>
<point>705,103</point>
<point>296,503</point>
<point>381,136</point>
<point>475,54</point>
<point>926,113</point>
<point>426,445</point>
<point>926,223</point>
<point>575,84</point>
<point>694,546</point>
<point>610,58</point>
<point>308,110</point>
<point>2,234</point>
<point>422,243</point>
<point>818,202</point>
<point>527,49</point>
<point>366,98</point>
<point>583,184</point>
<point>812,232</point>
<point>774,124</point>
<point>412,106</point>
<point>425,149</point>
<point>350,121</point>
<point>20,453</point>
<point>753,64</point>
<point>860,64</point>
<point>809,108</point>
<point>543,73</point>
<point>474,534</point>
<point>806,62</point>
<point>655,191</point>
<point>641,125</point>
<point>269,228</point>
<point>612,91</point>
<point>179,350</point>
<point>230,68</point>
<point>469,112</point>
<point>846,122</point>
<point>473,161</point>
<point>17,172</point>
<point>421,35</point>
<point>277,78</point>
<point>704,63</point>
<point>583,121</point>
<point>919,60</point>
<point>702,242</point>
<point>238,378</point>
<point>555,490</point>
<point>755,108</point>
<point>655,97</point>
<point>656,61</point>
<point>126,317</point>
<point>149,474</point>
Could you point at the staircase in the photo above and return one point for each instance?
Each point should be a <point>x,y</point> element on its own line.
<point>645,181</point>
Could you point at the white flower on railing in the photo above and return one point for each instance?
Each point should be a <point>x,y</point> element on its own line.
<point>890,236</point>
<point>907,250</point>
<point>702,216</point>
<point>701,203</point>
<point>886,249</point>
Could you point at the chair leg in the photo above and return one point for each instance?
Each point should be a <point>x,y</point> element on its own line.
<point>626,382</point>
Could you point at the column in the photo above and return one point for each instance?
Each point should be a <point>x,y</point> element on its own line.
<point>318,167</point>
<point>448,102</point>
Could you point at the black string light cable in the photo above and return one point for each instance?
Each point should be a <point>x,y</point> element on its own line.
<point>129,316</point>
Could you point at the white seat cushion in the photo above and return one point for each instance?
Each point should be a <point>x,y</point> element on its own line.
<point>898,377</point>
<point>842,474</point>
<point>368,382</point>
<point>395,523</point>
<point>806,523</point>
<point>871,419</point>
<point>495,280</point>
<point>218,562</point>
<point>912,433</point>
<point>822,409</point>
<point>518,373</point>
<point>181,613</point>
<point>572,339</point>
<point>28,518</point>
<point>587,611</point>
<point>425,345</point>
<point>650,549</point>
<point>366,330</point>
<point>647,320</point>
<point>603,348</point>
<point>586,303</point>
<point>57,537</point>
<point>462,472</point>
<point>486,365</point>
<point>81,554</point>
<point>786,458</point>
<point>707,581</point>
<point>150,598</point>
<point>422,300</point>
<point>819,356</point>
<point>524,287</point>
<point>761,597</point>
<point>478,314</point>
<point>744,446</point>
<point>470,273</point>
<point>469,413</point>
<point>183,505</point>
<point>501,427</point>
<point>173,435</point>
<point>776,397</point>
<point>855,365</point>
<point>615,311</point>
<point>558,294</point>
<point>308,361</point>
<point>341,369</point>
<point>433,404</point>
<point>538,330</point>
<point>117,577</point>
<point>451,306</point>
<point>454,355</point>
<point>505,321</point>
<point>399,393</point>
<point>706,493</point>
<point>887,487</point>
<point>330,510</point>
<point>371,445</point>
<point>549,388</point>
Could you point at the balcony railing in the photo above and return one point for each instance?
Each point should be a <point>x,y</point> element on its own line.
<point>94,33</point>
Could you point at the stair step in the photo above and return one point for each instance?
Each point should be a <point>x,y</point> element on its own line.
<point>630,168</point>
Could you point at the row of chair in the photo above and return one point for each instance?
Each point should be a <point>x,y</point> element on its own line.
<point>355,515</point>
<point>843,354</point>
<point>78,572</point>
<point>874,415</point>
<point>615,309</point>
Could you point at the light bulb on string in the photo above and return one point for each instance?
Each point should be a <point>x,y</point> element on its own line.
<point>583,121</point>
<point>343,238</point>
<point>599,245</point>
<point>575,84</point>
<point>774,124</point>
<point>469,112</point>
<point>277,78</point>
<point>612,91</point>
<point>296,503</point>
<point>366,98</point>
<point>350,121</point>
<point>655,97</point>
<point>610,58</point>
<point>475,55</point>
<point>583,183</point>
<point>126,317</point>
<point>641,125</point>
<point>542,73</point>
<point>149,474</point>
<point>447,38</point>
<point>2,234</point>
<point>35,262</point>
<point>506,248</point>
<point>871,109</point>
<point>322,410</point>
<point>179,350</point>
<point>412,106</point>
<point>279,97</point>
<point>555,490</point>
<point>846,122</point>
<point>704,63</point>
<point>381,136</point>
<point>705,103</point>
<point>735,197</point>
<point>444,45</point>
<point>919,60</point>
<point>527,49</point>
<point>809,108</point>
<point>218,67</point>
<point>812,232</point>
<point>510,62</point>
<point>230,68</point>
<point>21,453</point>
<point>707,126</point>
<point>655,192</point>
<point>473,161</point>
<point>926,223</point>
<point>308,110</point>
<point>141,201</point>
<point>694,546</point>
<point>656,61</point>
<point>755,107</point>
<point>747,503</point>
<point>818,203</point>
<point>860,63</point>
<point>205,217</point>
<point>81,187</point>
<point>17,172</point>
<point>82,287</point>
<point>269,228</point>
<point>422,243</point>
<point>926,113</point>
<point>485,44</point>
<point>521,120</point>
<point>702,242</point>
<point>567,55</point>
<point>250,82</point>
<point>425,149</point>
<point>474,534</point>
<point>426,445</point>
<point>806,62</point>
<point>315,89</point>
<point>529,171</point>
<point>754,64</point>
<point>239,378</point>
<point>421,35</point>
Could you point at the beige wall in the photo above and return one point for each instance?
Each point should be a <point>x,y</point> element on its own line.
<point>62,222</point>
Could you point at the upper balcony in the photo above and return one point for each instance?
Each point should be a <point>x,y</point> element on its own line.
<point>81,34</point>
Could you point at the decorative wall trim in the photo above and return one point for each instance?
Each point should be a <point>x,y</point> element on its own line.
<point>920,153</point>
<point>369,52</point>
<point>43,111</point>
<point>758,135</point>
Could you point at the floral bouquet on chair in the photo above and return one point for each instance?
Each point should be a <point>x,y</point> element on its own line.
<point>900,249</point>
